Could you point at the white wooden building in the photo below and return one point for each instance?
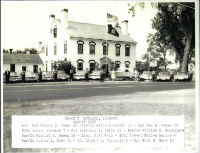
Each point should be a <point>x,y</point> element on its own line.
<point>17,62</point>
<point>86,45</point>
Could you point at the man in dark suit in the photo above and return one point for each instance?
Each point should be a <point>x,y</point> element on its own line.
<point>23,76</point>
<point>7,73</point>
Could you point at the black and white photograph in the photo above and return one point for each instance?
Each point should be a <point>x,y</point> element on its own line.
<point>100,76</point>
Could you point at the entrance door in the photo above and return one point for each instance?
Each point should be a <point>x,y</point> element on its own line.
<point>24,68</point>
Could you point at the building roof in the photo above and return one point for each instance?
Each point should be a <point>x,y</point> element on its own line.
<point>16,58</point>
<point>93,31</point>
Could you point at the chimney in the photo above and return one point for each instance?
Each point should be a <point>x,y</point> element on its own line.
<point>28,52</point>
<point>51,20</point>
<point>64,18</point>
<point>39,47</point>
<point>11,50</point>
<point>125,27</point>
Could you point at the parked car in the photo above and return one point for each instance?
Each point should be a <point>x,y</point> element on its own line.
<point>146,75</point>
<point>182,76</point>
<point>14,77</point>
<point>164,76</point>
<point>47,76</point>
<point>61,75</point>
<point>79,75</point>
<point>31,76</point>
<point>124,74</point>
<point>95,75</point>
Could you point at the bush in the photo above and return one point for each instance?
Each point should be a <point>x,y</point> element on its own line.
<point>65,66</point>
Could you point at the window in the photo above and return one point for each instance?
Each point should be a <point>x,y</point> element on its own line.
<point>105,48</point>
<point>117,65</point>
<point>24,68</point>
<point>80,47</point>
<point>127,65</point>
<point>46,50</point>
<point>117,49</point>
<point>65,47</point>
<point>127,50</point>
<point>46,66</point>
<point>12,67</point>
<point>35,68</point>
<point>92,47</point>
<point>55,32</point>
<point>80,64</point>
<point>52,66</point>
<point>92,65</point>
<point>55,49</point>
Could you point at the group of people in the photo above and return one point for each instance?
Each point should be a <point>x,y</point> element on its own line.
<point>7,75</point>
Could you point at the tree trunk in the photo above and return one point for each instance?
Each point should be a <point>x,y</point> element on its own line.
<point>184,65</point>
<point>165,60</point>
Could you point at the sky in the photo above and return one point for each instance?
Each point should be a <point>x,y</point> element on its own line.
<point>24,24</point>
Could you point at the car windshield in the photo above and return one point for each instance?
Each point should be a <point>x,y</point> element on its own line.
<point>147,72</point>
<point>96,72</point>
<point>163,73</point>
<point>30,73</point>
<point>61,72</point>
<point>46,73</point>
<point>13,73</point>
<point>80,72</point>
<point>180,73</point>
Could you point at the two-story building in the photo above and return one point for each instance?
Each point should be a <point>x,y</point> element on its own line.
<point>86,45</point>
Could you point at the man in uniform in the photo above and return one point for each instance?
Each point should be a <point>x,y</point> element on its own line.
<point>7,73</point>
<point>71,72</point>
<point>40,75</point>
<point>23,76</point>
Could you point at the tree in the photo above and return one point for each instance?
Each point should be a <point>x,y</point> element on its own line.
<point>142,66</point>
<point>65,66</point>
<point>5,50</point>
<point>157,50</point>
<point>175,22</point>
<point>31,50</point>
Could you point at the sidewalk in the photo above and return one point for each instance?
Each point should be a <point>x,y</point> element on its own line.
<point>91,82</point>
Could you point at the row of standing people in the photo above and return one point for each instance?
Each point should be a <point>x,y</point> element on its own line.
<point>7,75</point>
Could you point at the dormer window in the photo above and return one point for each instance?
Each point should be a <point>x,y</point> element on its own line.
<point>80,46</point>
<point>55,31</point>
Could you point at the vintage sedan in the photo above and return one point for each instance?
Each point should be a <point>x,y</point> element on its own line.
<point>14,77</point>
<point>181,76</point>
<point>61,75</point>
<point>95,75</point>
<point>31,76</point>
<point>146,75</point>
<point>125,74</point>
<point>79,75</point>
<point>48,76</point>
<point>164,76</point>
